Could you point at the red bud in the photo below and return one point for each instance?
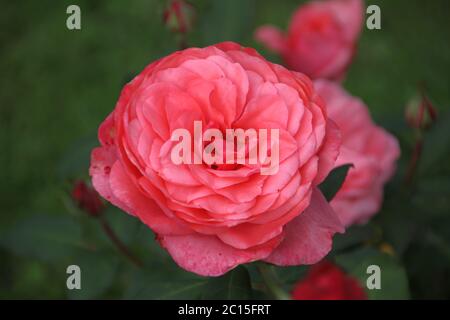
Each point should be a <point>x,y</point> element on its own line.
<point>87,198</point>
<point>179,16</point>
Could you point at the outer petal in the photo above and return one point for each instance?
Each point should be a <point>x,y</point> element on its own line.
<point>208,256</point>
<point>329,151</point>
<point>308,238</point>
<point>102,160</point>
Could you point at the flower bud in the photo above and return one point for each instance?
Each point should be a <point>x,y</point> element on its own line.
<point>179,16</point>
<point>87,198</point>
<point>420,113</point>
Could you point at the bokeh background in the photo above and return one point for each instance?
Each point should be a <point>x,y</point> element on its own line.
<point>57,85</point>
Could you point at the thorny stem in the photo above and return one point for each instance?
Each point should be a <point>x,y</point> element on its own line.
<point>118,243</point>
<point>271,282</point>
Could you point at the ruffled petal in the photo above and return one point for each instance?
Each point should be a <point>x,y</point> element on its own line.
<point>308,238</point>
<point>208,256</point>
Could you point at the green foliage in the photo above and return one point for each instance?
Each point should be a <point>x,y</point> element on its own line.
<point>334,181</point>
<point>44,237</point>
<point>98,271</point>
<point>354,237</point>
<point>394,282</point>
<point>235,285</point>
<point>165,281</point>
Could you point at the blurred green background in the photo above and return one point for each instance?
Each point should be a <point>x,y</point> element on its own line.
<point>57,85</point>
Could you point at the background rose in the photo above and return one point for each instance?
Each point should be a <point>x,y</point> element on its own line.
<point>371,150</point>
<point>321,38</point>
<point>326,281</point>
<point>212,219</point>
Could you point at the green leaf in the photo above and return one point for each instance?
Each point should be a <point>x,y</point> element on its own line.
<point>235,285</point>
<point>98,271</point>
<point>394,282</point>
<point>160,278</point>
<point>289,276</point>
<point>44,237</point>
<point>164,281</point>
<point>354,236</point>
<point>334,181</point>
<point>286,277</point>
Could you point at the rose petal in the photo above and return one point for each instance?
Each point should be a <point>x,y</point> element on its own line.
<point>308,238</point>
<point>145,208</point>
<point>208,256</point>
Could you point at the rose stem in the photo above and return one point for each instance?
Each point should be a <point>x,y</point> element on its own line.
<point>271,282</point>
<point>414,160</point>
<point>119,244</point>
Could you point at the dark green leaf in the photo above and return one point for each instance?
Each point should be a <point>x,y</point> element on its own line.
<point>353,236</point>
<point>164,281</point>
<point>235,285</point>
<point>334,181</point>
<point>394,282</point>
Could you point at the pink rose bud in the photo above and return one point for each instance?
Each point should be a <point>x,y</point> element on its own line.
<point>321,37</point>
<point>87,198</point>
<point>372,150</point>
<point>179,16</point>
<point>420,113</point>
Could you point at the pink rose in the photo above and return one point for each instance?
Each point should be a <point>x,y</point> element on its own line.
<point>321,38</point>
<point>371,150</point>
<point>211,218</point>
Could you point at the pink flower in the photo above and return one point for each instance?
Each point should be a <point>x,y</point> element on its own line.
<point>212,218</point>
<point>326,281</point>
<point>371,150</point>
<point>321,39</point>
